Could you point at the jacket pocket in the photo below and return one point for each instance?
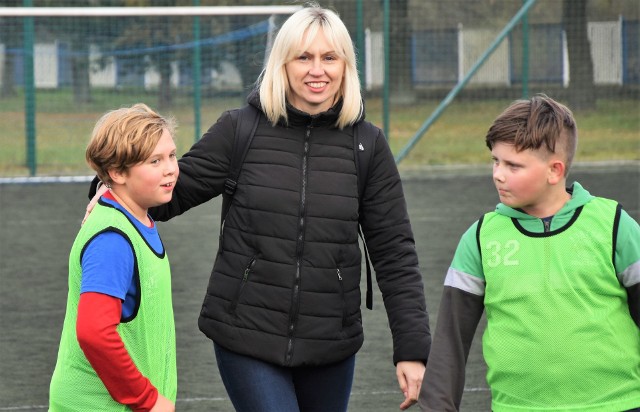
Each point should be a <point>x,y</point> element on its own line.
<point>243,283</point>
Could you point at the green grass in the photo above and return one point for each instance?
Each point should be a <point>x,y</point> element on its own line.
<point>612,132</point>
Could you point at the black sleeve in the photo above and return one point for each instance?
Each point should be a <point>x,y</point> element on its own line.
<point>203,170</point>
<point>444,378</point>
<point>389,238</point>
<point>93,187</point>
<point>633,296</point>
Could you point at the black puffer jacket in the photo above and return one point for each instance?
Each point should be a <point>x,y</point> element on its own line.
<point>285,283</point>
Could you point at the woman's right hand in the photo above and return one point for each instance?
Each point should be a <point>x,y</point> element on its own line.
<point>92,203</point>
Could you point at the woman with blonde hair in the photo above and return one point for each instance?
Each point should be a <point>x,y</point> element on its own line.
<point>283,301</point>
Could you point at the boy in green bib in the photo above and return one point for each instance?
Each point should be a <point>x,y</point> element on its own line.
<point>117,349</point>
<point>557,271</point>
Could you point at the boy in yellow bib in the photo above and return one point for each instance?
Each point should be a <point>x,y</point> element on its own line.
<point>557,271</point>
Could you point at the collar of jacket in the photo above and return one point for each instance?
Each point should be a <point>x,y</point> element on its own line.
<point>299,118</point>
<point>324,119</point>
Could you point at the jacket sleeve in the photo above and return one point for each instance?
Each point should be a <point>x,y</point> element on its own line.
<point>443,383</point>
<point>203,170</point>
<point>389,239</point>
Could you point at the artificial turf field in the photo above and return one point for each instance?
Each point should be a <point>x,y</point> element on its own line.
<point>38,223</point>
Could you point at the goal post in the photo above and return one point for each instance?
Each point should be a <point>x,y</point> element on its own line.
<point>146,11</point>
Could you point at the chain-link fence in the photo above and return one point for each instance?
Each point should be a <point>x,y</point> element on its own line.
<point>60,72</point>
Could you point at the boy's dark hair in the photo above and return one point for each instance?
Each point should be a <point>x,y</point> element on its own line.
<point>536,123</point>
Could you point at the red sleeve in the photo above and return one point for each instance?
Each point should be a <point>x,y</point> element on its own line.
<point>98,317</point>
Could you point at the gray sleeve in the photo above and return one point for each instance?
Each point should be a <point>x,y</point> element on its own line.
<point>444,378</point>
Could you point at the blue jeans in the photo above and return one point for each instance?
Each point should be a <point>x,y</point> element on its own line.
<point>257,386</point>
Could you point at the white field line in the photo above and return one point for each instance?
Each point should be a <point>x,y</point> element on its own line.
<point>222,399</point>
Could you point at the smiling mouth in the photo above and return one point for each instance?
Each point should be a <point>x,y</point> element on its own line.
<point>317,85</point>
<point>167,185</point>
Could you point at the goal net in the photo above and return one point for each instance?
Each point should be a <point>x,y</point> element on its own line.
<point>74,63</point>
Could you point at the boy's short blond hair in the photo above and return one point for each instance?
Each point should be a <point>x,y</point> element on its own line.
<point>539,123</point>
<point>125,137</point>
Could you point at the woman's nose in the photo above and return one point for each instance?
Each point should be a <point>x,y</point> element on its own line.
<point>316,69</point>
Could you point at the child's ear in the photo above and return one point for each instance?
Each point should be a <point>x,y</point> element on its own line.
<point>117,176</point>
<point>556,171</point>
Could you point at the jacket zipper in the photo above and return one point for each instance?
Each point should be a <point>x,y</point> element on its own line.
<point>342,299</point>
<point>295,294</point>
<point>243,282</point>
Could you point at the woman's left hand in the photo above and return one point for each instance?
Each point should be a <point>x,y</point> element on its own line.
<point>92,203</point>
<point>410,375</point>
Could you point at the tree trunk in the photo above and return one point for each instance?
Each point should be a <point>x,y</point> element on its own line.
<point>8,83</point>
<point>9,34</point>
<point>249,54</point>
<point>161,61</point>
<point>165,96</point>
<point>401,91</point>
<point>581,90</point>
<point>80,72</point>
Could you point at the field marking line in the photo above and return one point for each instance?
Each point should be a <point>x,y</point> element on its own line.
<point>222,399</point>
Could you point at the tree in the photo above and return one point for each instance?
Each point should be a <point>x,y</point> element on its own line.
<point>581,86</point>
<point>162,61</point>
<point>10,32</point>
<point>79,34</point>
<point>400,80</point>
<point>248,54</point>
<point>80,69</point>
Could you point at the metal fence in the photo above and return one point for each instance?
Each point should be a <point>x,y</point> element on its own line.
<point>59,65</point>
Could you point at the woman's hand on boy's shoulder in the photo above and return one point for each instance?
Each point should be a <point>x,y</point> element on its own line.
<point>92,203</point>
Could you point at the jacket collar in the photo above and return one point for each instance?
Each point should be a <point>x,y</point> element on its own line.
<point>327,118</point>
<point>299,118</point>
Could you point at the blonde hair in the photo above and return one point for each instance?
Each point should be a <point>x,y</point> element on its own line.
<point>540,124</point>
<point>273,83</point>
<point>125,137</point>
